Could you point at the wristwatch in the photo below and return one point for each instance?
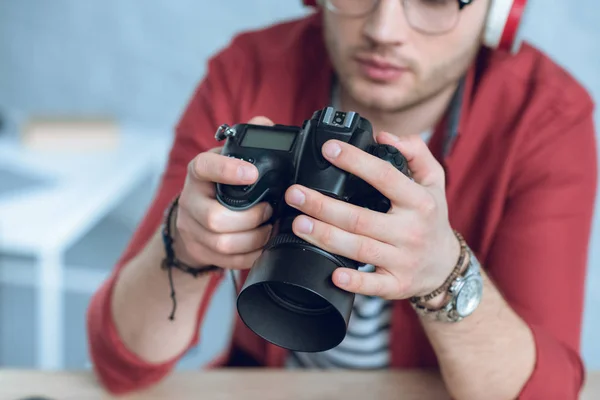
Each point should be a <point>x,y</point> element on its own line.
<point>464,294</point>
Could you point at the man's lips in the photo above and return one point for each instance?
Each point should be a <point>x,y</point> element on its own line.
<point>379,69</point>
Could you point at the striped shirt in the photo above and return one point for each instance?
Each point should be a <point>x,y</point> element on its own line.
<point>366,345</point>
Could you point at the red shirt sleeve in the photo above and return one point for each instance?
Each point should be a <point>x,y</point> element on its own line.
<point>539,255</point>
<point>212,104</point>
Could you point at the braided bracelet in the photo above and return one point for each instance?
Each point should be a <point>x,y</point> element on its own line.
<point>170,261</point>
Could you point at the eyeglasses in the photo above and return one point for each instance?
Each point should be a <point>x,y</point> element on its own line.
<point>432,17</point>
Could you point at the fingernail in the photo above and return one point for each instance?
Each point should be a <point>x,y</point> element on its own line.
<point>245,173</point>
<point>332,149</point>
<point>268,212</point>
<point>343,278</point>
<point>304,225</point>
<point>296,197</point>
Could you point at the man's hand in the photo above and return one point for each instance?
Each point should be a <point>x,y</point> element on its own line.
<point>412,246</point>
<point>207,232</point>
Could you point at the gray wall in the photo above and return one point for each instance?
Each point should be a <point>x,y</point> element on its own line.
<point>140,60</point>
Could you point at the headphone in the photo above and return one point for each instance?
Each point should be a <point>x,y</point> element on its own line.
<point>502,28</point>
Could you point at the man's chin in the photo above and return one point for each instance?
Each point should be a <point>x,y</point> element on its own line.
<point>386,98</point>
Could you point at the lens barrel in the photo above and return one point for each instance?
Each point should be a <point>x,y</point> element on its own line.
<point>289,298</point>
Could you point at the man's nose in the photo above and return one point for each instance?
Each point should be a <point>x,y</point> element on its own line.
<point>387,24</point>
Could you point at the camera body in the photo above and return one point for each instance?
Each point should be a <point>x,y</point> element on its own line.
<point>286,155</point>
<point>288,297</point>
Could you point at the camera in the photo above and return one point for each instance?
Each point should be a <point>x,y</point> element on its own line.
<point>289,298</point>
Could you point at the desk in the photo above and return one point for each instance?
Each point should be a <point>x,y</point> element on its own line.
<point>72,193</point>
<point>248,384</point>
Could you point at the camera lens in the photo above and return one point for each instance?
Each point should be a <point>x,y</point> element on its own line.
<point>289,298</point>
<point>297,299</point>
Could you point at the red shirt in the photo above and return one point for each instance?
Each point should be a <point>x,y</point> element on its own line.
<point>521,182</point>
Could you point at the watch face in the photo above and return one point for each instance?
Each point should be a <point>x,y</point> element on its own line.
<point>470,296</point>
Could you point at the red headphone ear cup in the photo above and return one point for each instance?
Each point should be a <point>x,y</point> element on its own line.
<point>503,25</point>
<point>310,3</point>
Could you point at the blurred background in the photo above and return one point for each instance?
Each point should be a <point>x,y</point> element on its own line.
<point>122,71</point>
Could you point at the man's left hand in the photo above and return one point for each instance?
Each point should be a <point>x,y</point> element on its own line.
<point>412,245</point>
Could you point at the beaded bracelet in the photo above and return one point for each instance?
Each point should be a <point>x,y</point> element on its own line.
<point>451,278</point>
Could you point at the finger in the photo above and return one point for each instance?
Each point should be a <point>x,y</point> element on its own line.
<point>218,219</point>
<point>230,243</point>
<point>425,169</point>
<point>260,120</point>
<point>205,189</point>
<point>226,170</point>
<point>237,261</point>
<point>393,184</point>
<point>211,257</point>
<point>350,218</point>
<point>337,241</point>
<point>367,283</point>
<point>211,167</point>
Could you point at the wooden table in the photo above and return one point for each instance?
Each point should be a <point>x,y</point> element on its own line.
<point>248,384</point>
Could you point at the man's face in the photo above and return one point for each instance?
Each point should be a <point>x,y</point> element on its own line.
<point>386,65</point>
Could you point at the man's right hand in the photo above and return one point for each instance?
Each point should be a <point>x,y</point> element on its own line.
<point>206,232</point>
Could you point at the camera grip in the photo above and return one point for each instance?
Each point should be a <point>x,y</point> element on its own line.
<point>371,198</point>
<point>393,156</point>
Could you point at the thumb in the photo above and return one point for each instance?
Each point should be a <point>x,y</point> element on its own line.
<point>260,120</point>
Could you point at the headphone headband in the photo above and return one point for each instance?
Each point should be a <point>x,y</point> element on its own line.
<point>502,29</point>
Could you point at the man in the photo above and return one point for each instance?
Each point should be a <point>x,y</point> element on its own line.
<point>502,151</point>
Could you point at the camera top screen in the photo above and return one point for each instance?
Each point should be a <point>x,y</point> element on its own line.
<point>268,139</point>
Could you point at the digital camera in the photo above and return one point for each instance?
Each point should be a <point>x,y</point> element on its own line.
<point>289,298</point>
